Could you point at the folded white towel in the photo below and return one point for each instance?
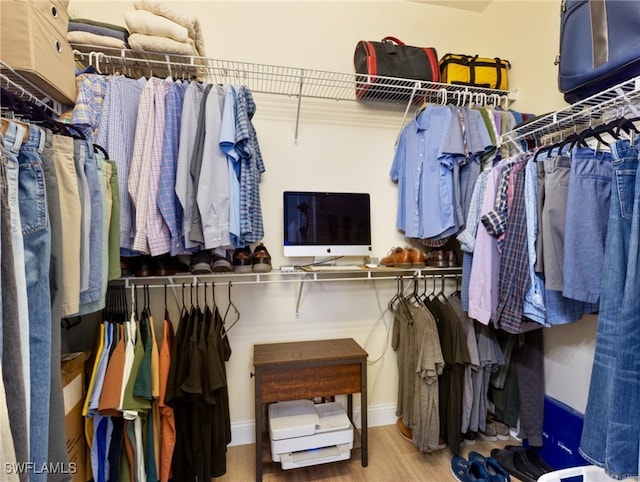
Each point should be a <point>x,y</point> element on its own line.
<point>152,43</point>
<point>88,38</point>
<point>192,24</point>
<point>147,23</point>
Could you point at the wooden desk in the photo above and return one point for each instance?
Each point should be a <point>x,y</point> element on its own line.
<point>308,369</point>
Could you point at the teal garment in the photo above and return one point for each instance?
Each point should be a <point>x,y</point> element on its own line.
<point>142,386</point>
<point>149,446</point>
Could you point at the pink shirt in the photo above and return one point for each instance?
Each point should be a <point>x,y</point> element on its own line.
<point>483,282</point>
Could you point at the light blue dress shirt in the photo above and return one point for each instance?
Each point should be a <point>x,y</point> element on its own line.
<point>423,168</point>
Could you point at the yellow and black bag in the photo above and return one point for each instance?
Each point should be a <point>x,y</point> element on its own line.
<point>491,73</point>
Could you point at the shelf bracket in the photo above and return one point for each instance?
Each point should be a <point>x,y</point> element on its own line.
<point>299,298</point>
<point>299,104</point>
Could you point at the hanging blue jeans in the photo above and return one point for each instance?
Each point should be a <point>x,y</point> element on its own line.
<point>623,438</point>
<point>12,144</point>
<point>36,233</point>
<point>602,407</point>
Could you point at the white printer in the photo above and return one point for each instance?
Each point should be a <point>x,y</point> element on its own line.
<point>303,433</point>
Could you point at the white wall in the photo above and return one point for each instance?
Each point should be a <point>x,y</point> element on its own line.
<point>348,146</point>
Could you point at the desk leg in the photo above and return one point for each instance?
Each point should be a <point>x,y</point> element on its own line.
<point>363,415</point>
<point>258,414</point>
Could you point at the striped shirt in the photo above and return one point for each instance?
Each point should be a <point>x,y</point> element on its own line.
<point>168,202</point>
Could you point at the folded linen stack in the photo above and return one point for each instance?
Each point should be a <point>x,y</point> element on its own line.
<point>92,32</point>
<point>154,27</point>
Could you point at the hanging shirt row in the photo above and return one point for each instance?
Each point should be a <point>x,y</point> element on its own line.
<point>188,160</point>
<point>437,160</point>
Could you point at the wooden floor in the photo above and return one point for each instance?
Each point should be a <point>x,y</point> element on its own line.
<point>391,458</point>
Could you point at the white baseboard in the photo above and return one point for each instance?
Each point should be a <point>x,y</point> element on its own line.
<point>243,433</point>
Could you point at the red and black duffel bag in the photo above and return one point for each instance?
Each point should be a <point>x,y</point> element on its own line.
<point>388,70</point>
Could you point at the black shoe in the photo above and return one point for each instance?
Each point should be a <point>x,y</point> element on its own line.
<point>166,265</point>
<point>242,262</point>
<point>221,264</point>
<point>201,262</point>
<point>128,265</point>
<point>514,462</point>
<point>261,259</point>
<point>144,266</point>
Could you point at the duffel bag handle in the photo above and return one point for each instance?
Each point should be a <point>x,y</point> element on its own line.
<point>395,40</point>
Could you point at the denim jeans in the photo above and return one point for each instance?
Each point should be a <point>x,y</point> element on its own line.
<point>596,441</point>
<point>36,233</point>
<point>12,143</point>
<point>95,183</point>
<point>623,439</point>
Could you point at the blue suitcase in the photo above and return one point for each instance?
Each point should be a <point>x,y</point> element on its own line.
<point>599,46</point>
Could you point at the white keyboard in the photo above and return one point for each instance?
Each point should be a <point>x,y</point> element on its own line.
<point>337,267</point>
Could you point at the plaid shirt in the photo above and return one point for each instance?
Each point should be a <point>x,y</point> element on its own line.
<point>514,262</point>
<point>496,221</point>
<point>251,166</point>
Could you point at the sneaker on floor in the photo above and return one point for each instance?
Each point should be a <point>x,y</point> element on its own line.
<point>489,433</point>
<point>201,262</point>
<point>502,430</point>
<point>221,264</point>
<point>261,259</point>
<point>496,472</point>
<point>470,437</point>
<point>468,470</point>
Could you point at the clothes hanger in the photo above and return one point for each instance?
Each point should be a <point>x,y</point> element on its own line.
<point>235,309</point>
<point>396,297</point>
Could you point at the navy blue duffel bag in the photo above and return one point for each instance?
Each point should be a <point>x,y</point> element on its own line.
<point>599,46</point>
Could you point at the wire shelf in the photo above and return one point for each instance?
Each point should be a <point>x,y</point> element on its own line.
<point>19,85</point>
<point>281,80</point>
<point>614,102</point>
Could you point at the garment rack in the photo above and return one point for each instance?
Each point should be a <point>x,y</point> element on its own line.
<point>615,102</point>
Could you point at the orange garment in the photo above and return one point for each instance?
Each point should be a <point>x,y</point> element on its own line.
<point>167,420</point>
<point>112,386</point>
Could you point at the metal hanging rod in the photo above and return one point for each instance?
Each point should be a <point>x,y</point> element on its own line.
<point>291,277</point>
<point>21,86</point>
<point>614,102</point>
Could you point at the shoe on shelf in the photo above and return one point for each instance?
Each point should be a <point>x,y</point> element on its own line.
<point>489,433</point>
<point>241,260</point>
<point>167,265</point>
<point>468,470</point>
<point>201,262</point>
<point>452,259</point>
<point>417,258</point>
<point>144,266</point>
<point>437,259</point>
<point>129,265</point>
<point>221,264</point>
<point>492,466</point>
<point>261,259</point>
<point>397,258</point>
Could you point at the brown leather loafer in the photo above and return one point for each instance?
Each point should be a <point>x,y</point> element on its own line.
<point>398,258</point>
<point>437,259</point>
<point>417,257</point>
